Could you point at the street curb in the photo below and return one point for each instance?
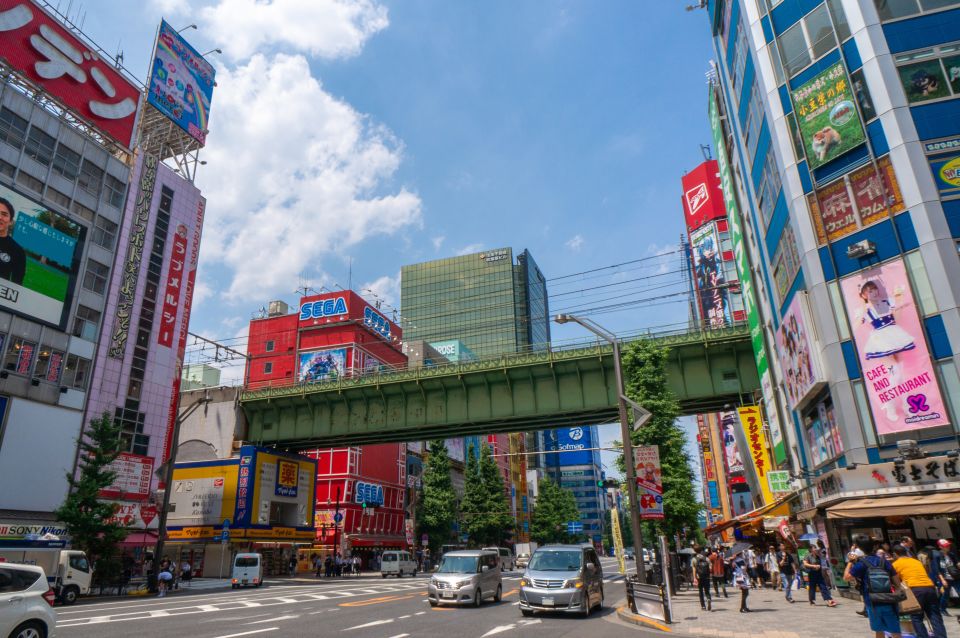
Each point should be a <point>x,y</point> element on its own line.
<point>632,618</point>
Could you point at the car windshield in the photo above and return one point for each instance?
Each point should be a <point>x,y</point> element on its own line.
<point>458,565</point>
<point>555,561</point>
<point>244,561</point>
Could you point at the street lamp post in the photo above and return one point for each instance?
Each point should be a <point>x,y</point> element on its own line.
<point>624,434</point>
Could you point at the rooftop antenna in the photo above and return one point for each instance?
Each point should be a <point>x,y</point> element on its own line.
<point>705,149</point>
<point>350,275</point>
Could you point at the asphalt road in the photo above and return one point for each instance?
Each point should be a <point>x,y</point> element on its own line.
<point>364,607</point>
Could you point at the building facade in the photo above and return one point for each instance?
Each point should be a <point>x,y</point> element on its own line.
<point>572,464</point>
<point>837,130</point>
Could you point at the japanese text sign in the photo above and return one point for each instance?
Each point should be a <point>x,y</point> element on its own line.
<point>898,374</point>
<point>827,116</point>
<point>288,476</point>
<point>181,83</point>
<point>646,462</point>
<point>132,475</point>
<point>752,424</point>
<point>779,481</point>
<point>58,62</point>
<point>176,271</point>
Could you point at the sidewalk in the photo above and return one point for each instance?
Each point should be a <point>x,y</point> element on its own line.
<point>773,617</point>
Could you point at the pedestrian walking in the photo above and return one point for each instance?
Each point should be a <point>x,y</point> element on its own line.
<point>327,566</point>
<point>876,579</point>
<point>814,569</point>
<point>907,543</point>
<point>773,567</point>
<point>292,564</point>
<point>186,571</point>
<point>912,574</point>
<point>944,563</point>
<point>788,570</point>
<point>356,565</point>
<point>741,579</point>
<point>701,576</point>
<point>718,572</point>
<point>750,559</point>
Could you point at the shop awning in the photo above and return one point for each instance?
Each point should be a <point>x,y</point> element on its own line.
<point>378,541</point>
<point>912,505</point>
<point>750,517</point>
<point>139,538</point>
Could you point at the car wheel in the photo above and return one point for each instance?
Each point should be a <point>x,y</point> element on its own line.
<point>586,605</point>
<point>30,629</point>
<point>526,612</point>
<point>69,595</point>
<point>600,604</point>
<point>476,597</point>
<point>432,603</point>
<point>499,595</point>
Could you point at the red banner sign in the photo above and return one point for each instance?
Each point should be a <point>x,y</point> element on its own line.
<point>58,62</point>
<point>133,474</point>
<point>171,295</point>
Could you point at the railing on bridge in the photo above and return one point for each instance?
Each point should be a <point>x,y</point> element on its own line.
<point>552,352</point>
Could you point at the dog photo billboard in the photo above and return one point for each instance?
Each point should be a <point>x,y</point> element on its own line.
<point>827,115</point>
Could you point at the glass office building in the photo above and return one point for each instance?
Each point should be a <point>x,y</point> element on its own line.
<point>485,300</point>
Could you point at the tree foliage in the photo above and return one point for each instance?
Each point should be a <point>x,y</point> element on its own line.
<point>438,502</point>
<point>486,514</point>
<point>85,516</point>
<point>554,508</point>
<point>644,366</point>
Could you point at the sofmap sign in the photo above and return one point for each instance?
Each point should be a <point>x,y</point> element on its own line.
<point>743,268</point>
<point>827,116</point>
<point>52,58</point>
<point>323,308</point>
<point>369,493</point>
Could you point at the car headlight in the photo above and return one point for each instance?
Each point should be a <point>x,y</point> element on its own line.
<point>434,582</point>
<point>576,583</point>
<point>524,582</point>
<point>463,583</point>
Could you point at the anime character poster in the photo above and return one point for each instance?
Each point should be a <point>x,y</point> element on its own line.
<point>322,365</point>
<point>709,277</point>
<point>731,452</point>
<point>798,357</point>
<point>646,459</point>
<point>898,373</point>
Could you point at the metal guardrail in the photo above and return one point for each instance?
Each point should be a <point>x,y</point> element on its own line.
<point>553,353</point>
<point>647,600</point>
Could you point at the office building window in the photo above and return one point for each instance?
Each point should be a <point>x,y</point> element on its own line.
<point>49,364</point>
<point>85,323</point>
<point>268,367</point>
<point>859,85</point>
<point>91,178</point>
<point>893,9</point>
<point>922,289</point>
<point>754,123</point>
<point>930,74</point>
<point>807,41</point>
<point>950,382</point>
<point>13,128</point>
<point>95,278</point>
<point>40,146</point>
<point>76,372</point>
<point>740,53</point>
<point>20,355</point>
<point>58,198</point>
<point>269,346</point>
<point>29,181</point>
<point>840,23</point>
<point>104,233</point>
<point>66,161</point>
<point>114,191</point>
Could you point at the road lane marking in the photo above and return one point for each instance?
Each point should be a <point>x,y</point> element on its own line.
<point>234,619</point>
<point>511,592</point>
<point>159,613</point>
<point>400,636</point>
<point>259,622</point>
<point>247,633</point>
<point>369,624</point>
<point>374,601</point>
<point>499,630</point>
<point>420,613</point>
<point>402,617</point>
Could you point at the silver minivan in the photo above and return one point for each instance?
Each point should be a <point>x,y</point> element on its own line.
<point>565,578</point>
<point>465,578</point>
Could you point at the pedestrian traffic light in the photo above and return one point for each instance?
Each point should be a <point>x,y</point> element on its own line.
<point>606,483</point>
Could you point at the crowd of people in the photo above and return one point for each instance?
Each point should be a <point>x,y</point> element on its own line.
<point>335,566</point>
<point>892,580</point>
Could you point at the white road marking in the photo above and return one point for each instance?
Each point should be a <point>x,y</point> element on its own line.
<point>400,636</point>
<point>247,633</point>
<point>499,630</point>
<point>235,619</point>
<point>370,624</point>
<point>402,617</point>
<point>159,613</point>
<point>259,622</point>
<point>420,613</point>
<point>523,623</point>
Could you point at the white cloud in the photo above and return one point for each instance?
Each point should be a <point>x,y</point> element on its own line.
<point>170,7</point>
<point>386,289</point>
<point>320,28</point>
<point>669,259</point>
<point>438,241</point>
<point>575,243</point>
<point>470,248</point>
<point>293,175</point>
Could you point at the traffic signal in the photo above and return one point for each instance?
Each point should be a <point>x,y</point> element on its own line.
<point>605,483</point>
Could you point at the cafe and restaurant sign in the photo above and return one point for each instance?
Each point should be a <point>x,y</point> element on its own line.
<point>887,479</point>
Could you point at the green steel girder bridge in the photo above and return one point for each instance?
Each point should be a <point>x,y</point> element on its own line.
<point>511,393</point>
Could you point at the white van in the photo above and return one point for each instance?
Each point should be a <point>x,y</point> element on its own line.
<point>506,558</point>
<point>397,563</point>
<point>247,570</point>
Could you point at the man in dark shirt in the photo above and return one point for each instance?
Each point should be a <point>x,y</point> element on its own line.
<point>788,570</point>
<point>13,260</point>
<point>883,616</point>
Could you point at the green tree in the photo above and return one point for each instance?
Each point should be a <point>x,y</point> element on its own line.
<point>85,516</point>
<point>644,365</point>
<point>438,501</point>
<point>486,514</point>
<point>554,508</point>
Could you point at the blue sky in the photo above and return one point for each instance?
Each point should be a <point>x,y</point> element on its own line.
<point>379,133</point>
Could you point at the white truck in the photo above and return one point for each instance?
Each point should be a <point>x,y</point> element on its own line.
<point>523,553</point>
<point>68,571</point>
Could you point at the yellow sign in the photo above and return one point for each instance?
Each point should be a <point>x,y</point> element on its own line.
<point>752,424</point>
<point>950,172</point>
<point>617,539</point>
<point>287,475</point>
<point>191,532</point>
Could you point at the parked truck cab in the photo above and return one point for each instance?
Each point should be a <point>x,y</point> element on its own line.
<point>69,572</point>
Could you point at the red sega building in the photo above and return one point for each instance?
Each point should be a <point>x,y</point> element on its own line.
<point>332,335</point>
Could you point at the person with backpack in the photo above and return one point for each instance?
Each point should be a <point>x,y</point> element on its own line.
<point>788,570</point>
<point>741,579</point>
<point>701,576</point>
<point>877,582</point>
<point>718,568</point>
<point>912,574</point>
<point>943,563</point>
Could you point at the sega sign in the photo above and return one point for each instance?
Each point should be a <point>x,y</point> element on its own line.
<point>377,322</point>
<point>369,493</point>
<point>323,308</point>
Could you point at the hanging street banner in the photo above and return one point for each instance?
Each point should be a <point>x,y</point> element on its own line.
<point>779,481</point>
<point>827,116</point>
<point>646,463</point>
<point>617,539</point>
<point>746,277</point>
<point>752,424</point>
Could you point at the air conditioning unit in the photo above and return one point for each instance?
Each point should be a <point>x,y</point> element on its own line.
<point>277,308</point>
<point>861,248</point>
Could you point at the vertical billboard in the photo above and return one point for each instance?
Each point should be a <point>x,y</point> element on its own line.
<point>827,115</point>
<point>702,196</point>
<point>709,276</point>
<point>646,463</point>
<point>898,373</point>
<point>743,270</point>
<point>752,424</point>
<point>322,365</point>
<point>51,57</point>
<point>181,83</point>
<point>799,359</point>
<point>39,258</point>
<point>730,449</point>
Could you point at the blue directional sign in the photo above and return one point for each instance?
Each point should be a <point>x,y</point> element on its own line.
<point>574,527</point>
<point>338,517</point>
<point>226,524</point>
